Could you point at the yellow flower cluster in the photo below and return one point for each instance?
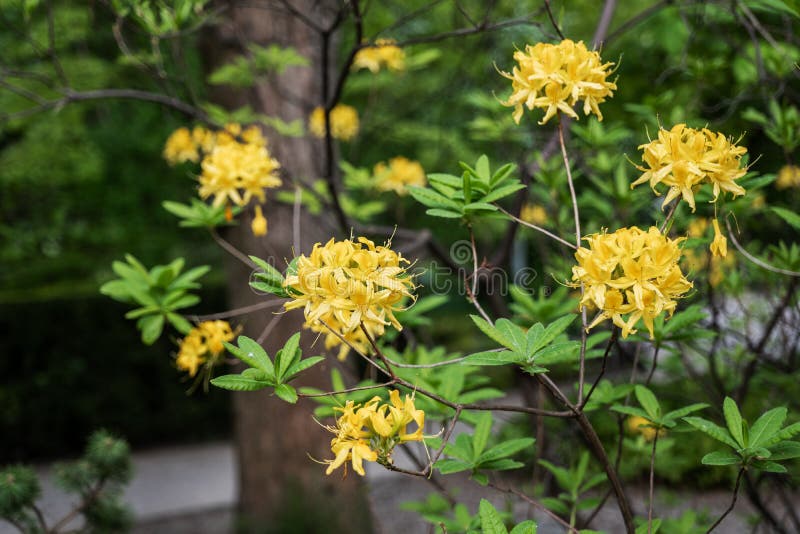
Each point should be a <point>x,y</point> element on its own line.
<point>202,344</point>
<point>533,214</point>
<point>384,53</point>
<point>185,145</point>
<point>345,284</point>
<point>630,273</point>
<point>236,171</point>
<point>370,432</point>
<point>640,425</point>
<point>788,177</point>
<point>344,122</point>
<point>555,77</point>
<point>683,158</point>
<point>400,173</point>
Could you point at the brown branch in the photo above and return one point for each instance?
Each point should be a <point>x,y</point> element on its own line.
<point>733,501</point>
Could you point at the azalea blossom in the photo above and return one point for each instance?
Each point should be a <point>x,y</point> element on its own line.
<point>630,275</point>
<point>344,122</point>
<point>259,224</point>
<point>203,343</point>
<point>555,77</point>
<point>370,432</point>
<point>684,158</point>
<point>398,175</point>
<point>384,53</point>
<point>343,285</point>
<point>719,246</point>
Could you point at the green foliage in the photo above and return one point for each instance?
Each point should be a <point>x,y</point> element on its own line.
<point>159,293</point>
<point>470,195</point>
<point>492,521</point>
<point>199,214</point>
<point>161,18</point>
<point>782,125</point>
<point>533,348</point>
<point>96,478</point>
<point>263,372</point>
<point>268,279</point>
<point>243,71</point>
<point>438,511</point>
<point>763,445</point>
<point>470,452</point>
<point>651,409</point>
<point>575,482</point>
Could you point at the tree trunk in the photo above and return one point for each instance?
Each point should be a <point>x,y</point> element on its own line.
<point>281,488</point>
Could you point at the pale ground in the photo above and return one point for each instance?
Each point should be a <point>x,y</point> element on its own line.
<point>192,490</point>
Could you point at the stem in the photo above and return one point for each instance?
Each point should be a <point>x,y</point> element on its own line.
<point>600,454</point>
<point>576,215</point>
<point>733,501</point>
<point>244,310</point>
<point>538,229</point>
<point>652,485</point>
<point>230,249</point>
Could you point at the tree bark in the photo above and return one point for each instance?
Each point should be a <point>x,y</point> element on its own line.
<point>281,488</point>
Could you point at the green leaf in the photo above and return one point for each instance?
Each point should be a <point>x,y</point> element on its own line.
<point>630,410</point>
<point>476,206</point>
<point>481,435</point>
<point>715,431</point>
<point>447,214</point>
<point>286,392</point>
<point>552,331</point>
<point>493,333</point>
<point>445,179</point>
<point>493,357</point>
<point>449,466</point>
<point>513,332</point>
<point>767,426</point>
<point>785,450</point>
<point>790,217</point>
<point>251,353</point>
<point>526,527</point>
<point>786,433</point>
<point>505,448</point>
<point>502,192</point>
<point>768,466</point>
<point>239,383</point>
<point>686,410</point>
<point>287,356</point>
<point>151,327</point>
<point>482,169</point>
<point>734,420</point>
<point>302,365</point>
<point>491,522</point>
<point>269,271</point>
<point>721,458</point>
<point>432,199</point>
<point>179,322</point>
<point>648,402</point>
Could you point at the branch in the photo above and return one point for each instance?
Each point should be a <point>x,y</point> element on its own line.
<point>733,500</point>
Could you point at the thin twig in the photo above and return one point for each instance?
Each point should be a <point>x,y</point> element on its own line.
<point>733,501</point>
<point>537,504</point>
<point>270,326</point>
<point>244,310</point>
<point>553,19</point>
<point>233,251</point>
<point>538,229</point>
<point>652,485</point>
<point>348,390</point>
<point>755,260</point>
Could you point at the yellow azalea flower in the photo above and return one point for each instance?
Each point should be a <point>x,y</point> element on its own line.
<point>554,77</point>
<point>181,147</point>
<point>344,122</point>
<point>533,214</point>
<point>630,275</point>
<point>202,344</point>
<point>344,284</point>
<point>400,173</point>
<point>203,139</point>
<point>788,177</point>
<point>719,246</point>
<point>259,223</point>
<point>236,172</point>
<point>640,425</point>
<point>684,158</point>
<point>384,53</point>
<point>370,432</point>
